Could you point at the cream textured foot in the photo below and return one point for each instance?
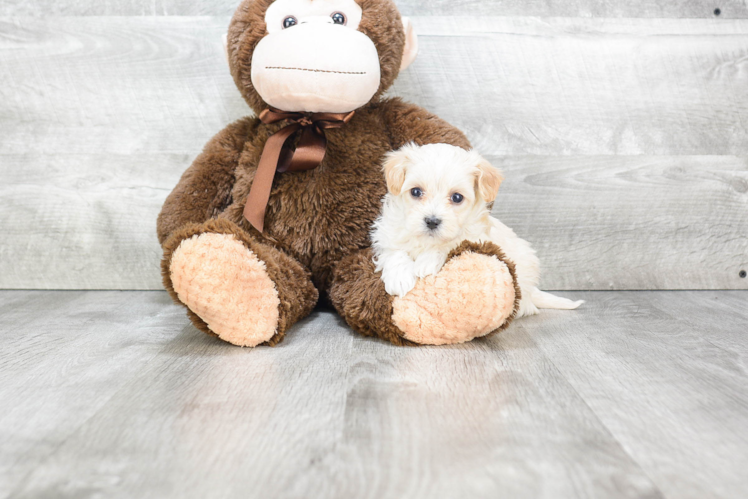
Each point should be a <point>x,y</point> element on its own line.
<point>224,283</point>
<point>470,297</point>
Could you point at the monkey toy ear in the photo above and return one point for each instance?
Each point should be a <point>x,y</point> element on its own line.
<point>410,51</point>
<point>226,45</point>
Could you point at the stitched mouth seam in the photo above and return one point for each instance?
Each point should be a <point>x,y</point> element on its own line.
<point>319,70</point>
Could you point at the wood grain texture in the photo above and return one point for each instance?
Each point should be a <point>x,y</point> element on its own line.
<point>332,414</point>
<point>114,394</point>
<point>531,86</point>
<point>596,222</point>
<point>568,8</point>
<point>114,86</point>
<point>84,221</point>
<point>521,86</point>
<point>99,118</point>
<point>630,222</point>
<point>663,371</point>
<point>633,130</point>
<point>64,355</point>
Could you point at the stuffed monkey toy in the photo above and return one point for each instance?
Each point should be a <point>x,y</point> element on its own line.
<point>274,215</point>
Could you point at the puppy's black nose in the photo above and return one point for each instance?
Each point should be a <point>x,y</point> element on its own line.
<point>432,222</point>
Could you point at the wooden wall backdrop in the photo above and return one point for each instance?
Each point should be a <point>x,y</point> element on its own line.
<point>622,127</point>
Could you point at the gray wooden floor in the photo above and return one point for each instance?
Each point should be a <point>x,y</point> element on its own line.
<point>115,394</point>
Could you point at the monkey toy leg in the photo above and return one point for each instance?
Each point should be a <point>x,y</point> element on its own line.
<point>245,292</point>
<point>474,294</point>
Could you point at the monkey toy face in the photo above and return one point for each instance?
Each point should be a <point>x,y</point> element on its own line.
<point>330,56</point>
<point>314,58</point>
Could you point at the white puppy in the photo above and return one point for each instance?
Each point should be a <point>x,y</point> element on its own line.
<point>438,197</point>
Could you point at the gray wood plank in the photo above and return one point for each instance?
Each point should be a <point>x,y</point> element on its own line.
<point>521,86</point>
<point>478,420</point>
<point>596,222</point>
<point>84,221</point>
<point>569,8</point>
<point>630,222</point>
<point>327,413</point>
<point>575,8</point>
<point>100,116</point>
<point>532,86</point>
<point>64,355</point>
<point>666,373</point>
<point>114,85</point>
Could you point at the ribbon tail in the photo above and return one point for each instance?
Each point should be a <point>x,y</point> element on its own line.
<point>259,193</point>
<point>310,151</point>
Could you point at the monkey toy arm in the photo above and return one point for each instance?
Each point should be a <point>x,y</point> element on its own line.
<point>205,187</point>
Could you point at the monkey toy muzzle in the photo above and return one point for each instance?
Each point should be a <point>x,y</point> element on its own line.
<point>316,67</point>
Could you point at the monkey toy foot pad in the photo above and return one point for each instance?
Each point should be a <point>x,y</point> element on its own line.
<point>472,296</point>
<point>227,286</point>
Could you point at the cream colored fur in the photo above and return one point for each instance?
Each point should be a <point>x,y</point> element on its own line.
<point>343,76</point>
<point>411,44</point>
<point>406,249</point>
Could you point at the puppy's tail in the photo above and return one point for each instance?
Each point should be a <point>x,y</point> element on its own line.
<point>545,300</point>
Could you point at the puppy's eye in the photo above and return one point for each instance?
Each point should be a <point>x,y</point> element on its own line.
<point>339,18</point>
<point>457,198</point>
<point>289,21</point>
<point>416,192</point>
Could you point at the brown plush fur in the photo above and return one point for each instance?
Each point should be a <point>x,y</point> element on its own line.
<point>317,222</point>
<point>357,293</point>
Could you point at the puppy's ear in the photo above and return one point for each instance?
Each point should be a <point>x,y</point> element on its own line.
<point>488,181</point>
<point>394,171</point>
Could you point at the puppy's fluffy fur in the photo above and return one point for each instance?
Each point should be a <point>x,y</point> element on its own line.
<point>438,197</point>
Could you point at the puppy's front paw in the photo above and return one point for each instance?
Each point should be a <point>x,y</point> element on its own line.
<point>428,264</point>
<point>398,283</point>
<point>398,272</point>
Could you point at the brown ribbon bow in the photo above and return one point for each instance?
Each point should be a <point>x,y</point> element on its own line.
<point>278,156</point>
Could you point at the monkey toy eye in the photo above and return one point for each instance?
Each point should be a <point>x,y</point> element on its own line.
<point>416,192</point>
<point>289,21</point>
<point>339,18</point>
<point>457,198</point>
